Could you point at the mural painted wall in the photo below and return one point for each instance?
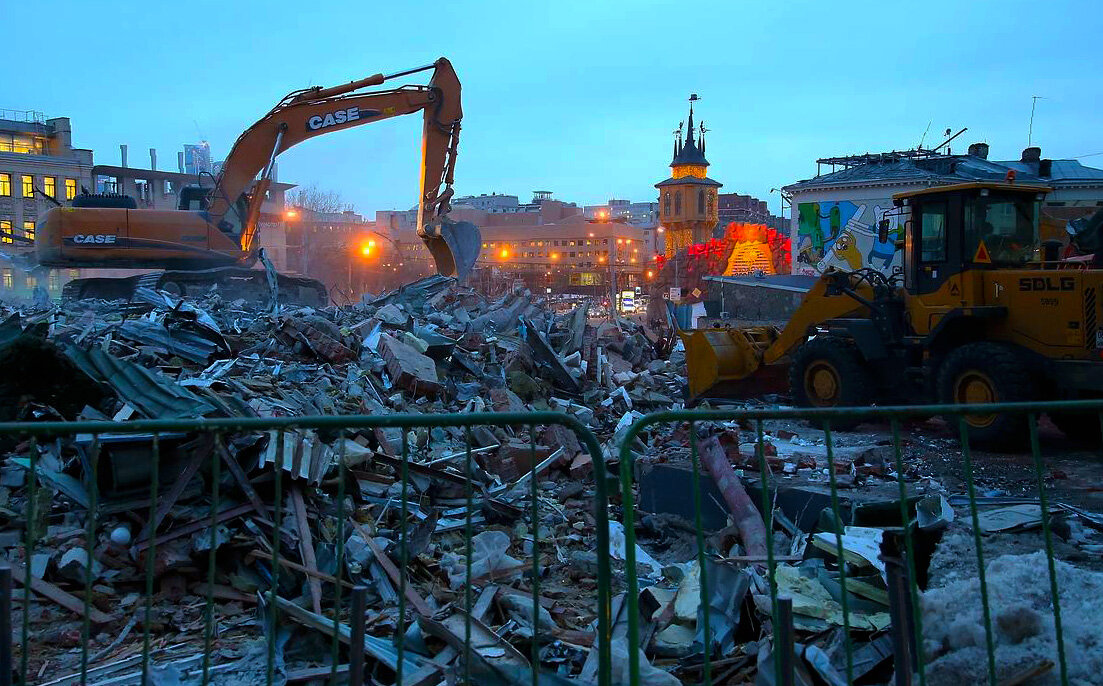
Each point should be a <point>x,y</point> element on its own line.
<point>843,234</point>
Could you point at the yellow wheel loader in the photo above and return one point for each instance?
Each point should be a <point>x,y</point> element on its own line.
<point>985,311</point>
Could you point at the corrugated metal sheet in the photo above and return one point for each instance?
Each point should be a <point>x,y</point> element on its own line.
<point>151,393</point>
<point>188,345</point>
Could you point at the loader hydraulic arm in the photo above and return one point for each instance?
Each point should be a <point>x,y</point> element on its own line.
<point>316,111</point>
<point>827,299</point>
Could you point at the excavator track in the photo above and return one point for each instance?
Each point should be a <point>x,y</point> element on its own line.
<point>232,283</point>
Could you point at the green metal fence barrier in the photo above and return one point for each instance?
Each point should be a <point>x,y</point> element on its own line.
<point>904,610</point>
<point>217,430</point>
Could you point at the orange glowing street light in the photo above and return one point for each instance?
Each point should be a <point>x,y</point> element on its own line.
<point>503,254</point>
<point>367,248</point>
<point>555,256</point>
<point>291,214</point>
<point>650,274</point>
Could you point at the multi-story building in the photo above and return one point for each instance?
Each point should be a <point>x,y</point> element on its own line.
<point>638,213</point>
<point>747,209</point>
<point>490,203</point>
<point>37,159</point>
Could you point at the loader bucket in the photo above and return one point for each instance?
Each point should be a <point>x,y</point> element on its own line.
<point>727,362</point>
<point>454,245</point>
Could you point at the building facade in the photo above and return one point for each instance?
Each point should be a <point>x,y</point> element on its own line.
<point>37,159</point>
<point>835,215</point>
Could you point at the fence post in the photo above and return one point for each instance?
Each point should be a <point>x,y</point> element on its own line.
<point>356,636</point>
<point>783,640</point>
<point>6,625</point>
<point>900,611</point>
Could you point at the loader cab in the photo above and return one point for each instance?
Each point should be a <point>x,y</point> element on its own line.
<point>951,229</point>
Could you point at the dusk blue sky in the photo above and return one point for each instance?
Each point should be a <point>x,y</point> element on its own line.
<point>579,98</point>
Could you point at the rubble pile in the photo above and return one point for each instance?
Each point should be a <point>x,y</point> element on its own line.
<point>430,347</point>
<point>434,347</point>
<point>807,539</point>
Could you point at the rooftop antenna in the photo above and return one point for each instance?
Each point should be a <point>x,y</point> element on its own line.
<point>1030,129</point>
<point>946,142</point>
<point>924,136</point>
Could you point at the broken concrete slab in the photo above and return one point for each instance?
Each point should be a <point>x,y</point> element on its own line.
<point>408,368</point>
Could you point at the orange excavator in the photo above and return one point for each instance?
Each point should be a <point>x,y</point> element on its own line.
<point>209,239</point>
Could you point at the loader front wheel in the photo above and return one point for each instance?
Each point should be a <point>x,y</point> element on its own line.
<point>829,372</point>
<point>982,373</point>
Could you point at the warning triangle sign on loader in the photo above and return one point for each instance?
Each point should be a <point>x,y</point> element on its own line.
<point>982,255</point>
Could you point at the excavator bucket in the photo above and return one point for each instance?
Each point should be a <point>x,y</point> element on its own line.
<point>455,246</point>
<point>727,362</point>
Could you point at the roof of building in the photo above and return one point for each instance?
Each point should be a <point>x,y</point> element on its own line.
<point>159,175</point>
<point>689,181</point>
<point>940,169</point>
<point>690,152</point>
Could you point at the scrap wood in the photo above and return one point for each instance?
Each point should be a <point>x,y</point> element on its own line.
<point>116,666</point>
<point>417,468</point>
<point>314,673</point>
<point>429,675</point>
<point>192,527</point>
<point>380,649</point>
<point>294,566</point>
<point>66,600</point>
<point>412,597</point>
<point>306,546</point>
<point>169,501</point>
<point>221,591</point>
<point>494,652</point>
<point>242,480</point>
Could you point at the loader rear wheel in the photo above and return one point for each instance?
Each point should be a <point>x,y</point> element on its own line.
<point>988,373</point>
<point>829,372</point>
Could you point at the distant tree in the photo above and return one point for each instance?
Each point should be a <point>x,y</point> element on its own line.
<point>314,199</point>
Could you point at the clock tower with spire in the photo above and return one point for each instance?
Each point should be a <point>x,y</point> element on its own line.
<point>687,200</point>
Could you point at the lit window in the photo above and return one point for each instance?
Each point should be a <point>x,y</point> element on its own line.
<point>28,230</point>
<point>28,186</point>
<point>9,281</point>
<point>32,282</point>
<point>70,189</point>
<point>5,229</point>
<point>54,282</point>
<point>74,273</point>
<point>49,186</point>
<point>5,185</point>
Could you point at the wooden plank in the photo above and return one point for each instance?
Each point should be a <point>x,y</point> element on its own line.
<point>222,592</point>
<point>430,674</point>
<point>191,528</point>
<point>165,504</point>
<point>379,648</point>
<point>412,596</point>
<point>314,673</point>
<point>66,600</point>
<point>306,546</point>
<point>294,566</point>
<point>242,480</point>
<point>489,648</point>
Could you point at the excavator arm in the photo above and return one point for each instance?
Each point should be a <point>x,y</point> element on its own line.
<point>315,111</point>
